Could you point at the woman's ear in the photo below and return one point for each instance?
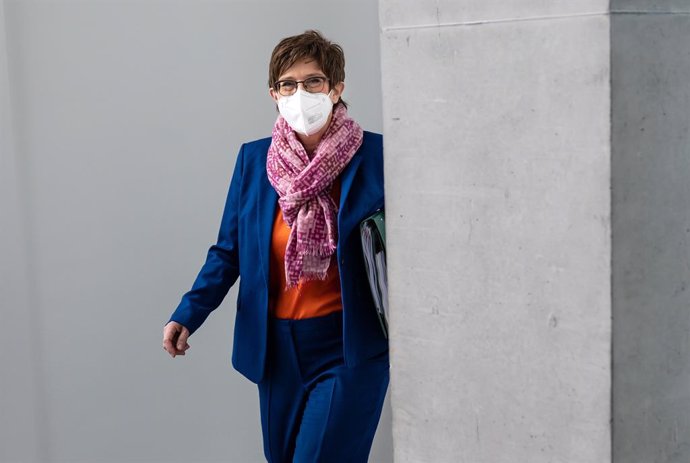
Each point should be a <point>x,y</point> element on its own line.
<point>273,94</point>
<point>337,91</point>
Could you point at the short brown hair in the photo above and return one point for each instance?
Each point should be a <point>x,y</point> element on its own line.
<point>311,44</point>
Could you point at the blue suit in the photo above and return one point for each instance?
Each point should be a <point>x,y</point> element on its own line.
<point>242,250</point>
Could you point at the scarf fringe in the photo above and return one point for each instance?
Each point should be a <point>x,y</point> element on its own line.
<point>304,278</point>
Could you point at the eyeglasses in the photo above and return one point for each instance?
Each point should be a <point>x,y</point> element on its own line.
<point>311,85</point>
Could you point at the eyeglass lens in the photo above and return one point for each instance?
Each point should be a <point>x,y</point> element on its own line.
<point>312,85</point>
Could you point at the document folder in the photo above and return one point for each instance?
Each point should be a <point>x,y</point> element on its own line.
<point>373,234</point>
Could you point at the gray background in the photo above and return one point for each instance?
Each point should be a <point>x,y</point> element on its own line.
<point>120,125</point>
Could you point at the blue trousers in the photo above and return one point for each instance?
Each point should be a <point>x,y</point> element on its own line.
<point>313,407</point>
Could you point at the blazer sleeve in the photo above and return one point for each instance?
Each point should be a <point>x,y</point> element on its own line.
<point>221,269</point>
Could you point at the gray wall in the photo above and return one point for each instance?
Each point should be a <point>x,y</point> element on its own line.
<point>651,230</point>
<point>117,146</point>
<point>20,393</point>
<point>496,120</point>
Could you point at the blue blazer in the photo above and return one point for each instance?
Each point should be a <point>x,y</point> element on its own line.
<point>243,247</point>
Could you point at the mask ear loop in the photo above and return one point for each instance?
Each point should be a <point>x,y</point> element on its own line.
<point>329,97</point>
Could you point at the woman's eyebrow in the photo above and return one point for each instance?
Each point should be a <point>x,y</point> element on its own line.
<point>312,74</point>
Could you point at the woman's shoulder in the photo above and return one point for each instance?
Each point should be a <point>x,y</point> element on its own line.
<point>257,146</point>
<point>373,139</point>
<point>372,147</point>
<point>253,154</point>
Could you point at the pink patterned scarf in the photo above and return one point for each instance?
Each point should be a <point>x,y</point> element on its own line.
<point>303,186</point>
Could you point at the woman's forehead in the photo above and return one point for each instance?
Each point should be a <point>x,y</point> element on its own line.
<point>302,67</point>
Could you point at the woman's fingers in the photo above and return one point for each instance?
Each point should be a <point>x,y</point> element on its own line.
<point>175,339</point>
<point>182,340</point>
<point>170,332</point>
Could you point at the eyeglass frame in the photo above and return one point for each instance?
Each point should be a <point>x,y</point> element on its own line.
<point>324,79</point>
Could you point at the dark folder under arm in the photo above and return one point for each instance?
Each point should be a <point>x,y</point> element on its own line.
<point>373,233</point>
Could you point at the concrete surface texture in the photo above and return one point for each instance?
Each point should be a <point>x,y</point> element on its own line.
<point>497,141</point>
<point>650,56</point>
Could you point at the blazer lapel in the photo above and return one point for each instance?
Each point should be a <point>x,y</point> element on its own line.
<point>345,220</point>
<point>268,201</point>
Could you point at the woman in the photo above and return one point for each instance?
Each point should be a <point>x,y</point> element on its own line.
<point>306,329</point>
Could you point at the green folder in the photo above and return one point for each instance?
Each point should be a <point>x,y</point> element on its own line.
<point>373,235</point>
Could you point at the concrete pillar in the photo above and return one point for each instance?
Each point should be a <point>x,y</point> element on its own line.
<point>650,73</point>
<point>508,151</point>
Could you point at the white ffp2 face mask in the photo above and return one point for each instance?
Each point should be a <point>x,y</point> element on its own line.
<point>305,112</point>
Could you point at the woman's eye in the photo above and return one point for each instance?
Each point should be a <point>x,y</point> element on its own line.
<point>313,82</point>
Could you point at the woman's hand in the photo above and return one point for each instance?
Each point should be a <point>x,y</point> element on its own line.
<point>175,339</point>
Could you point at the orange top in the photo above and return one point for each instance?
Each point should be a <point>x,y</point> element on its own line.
<point>313,298</point>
